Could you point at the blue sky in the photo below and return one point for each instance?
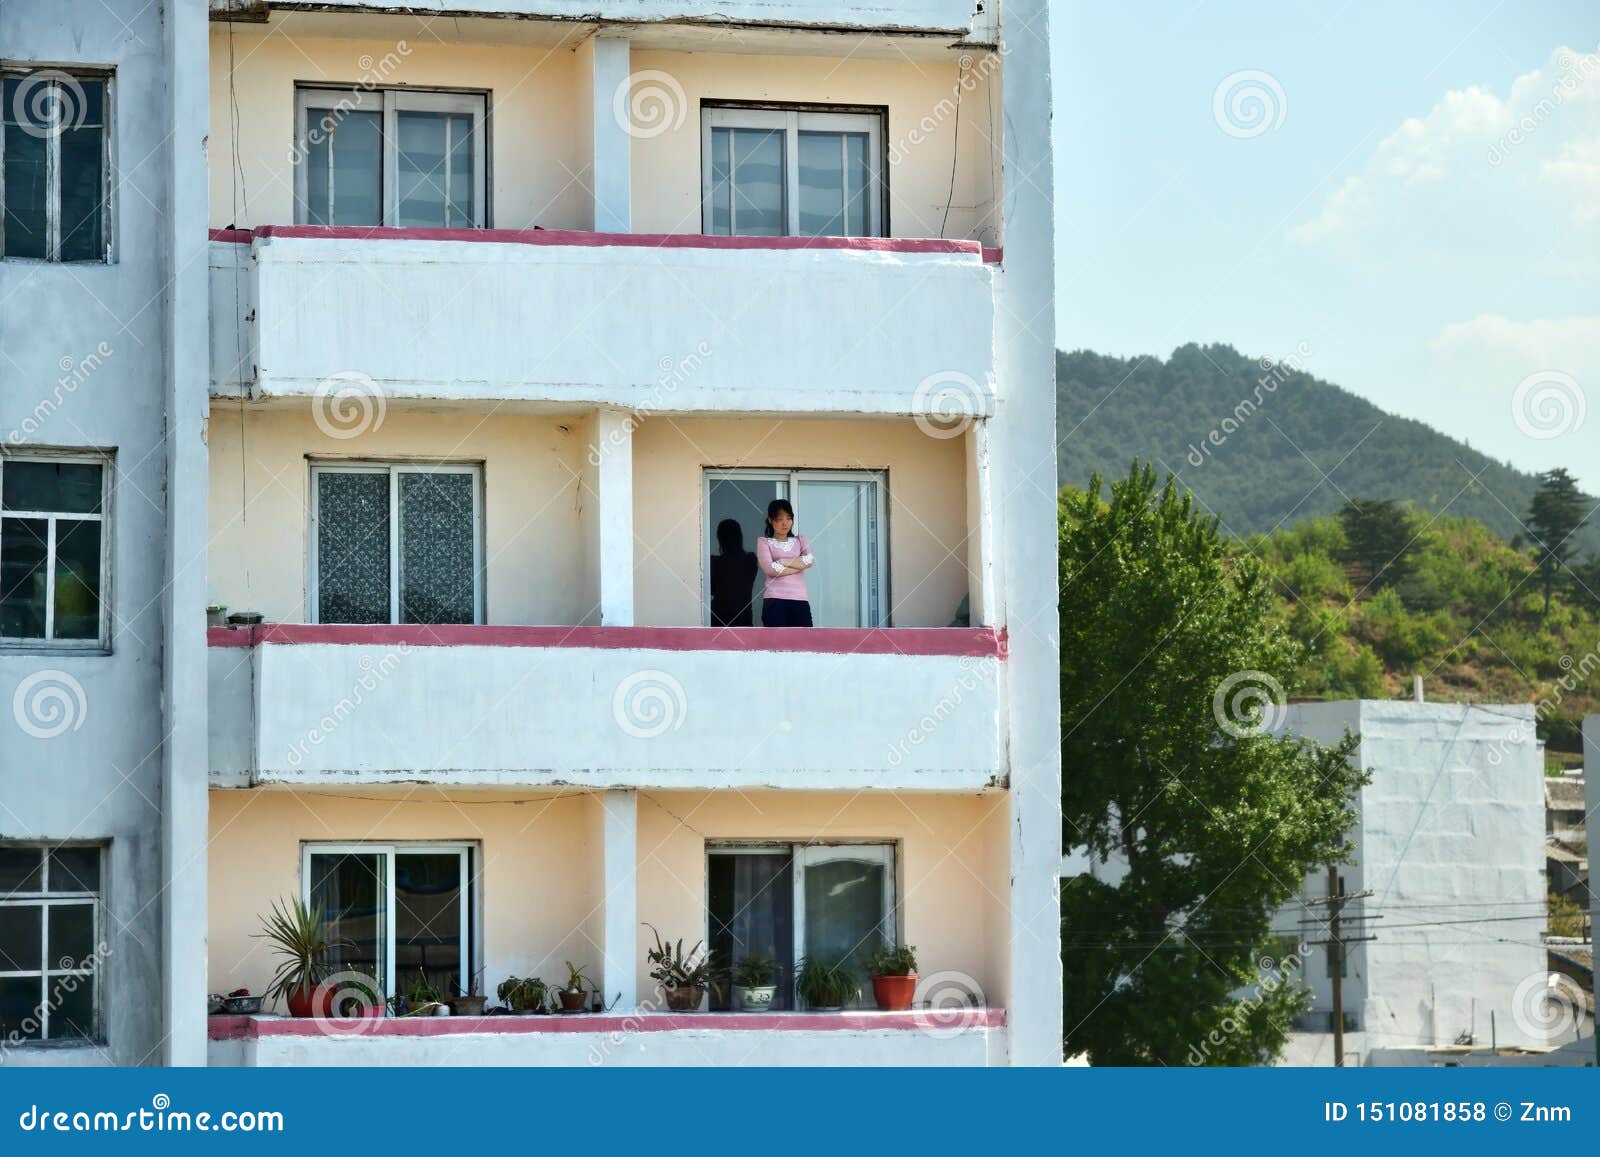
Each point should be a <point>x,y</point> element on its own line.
<point>1419,209</point>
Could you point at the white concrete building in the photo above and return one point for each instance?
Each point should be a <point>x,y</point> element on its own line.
<point>1450,846</point>
<point>512,312</point>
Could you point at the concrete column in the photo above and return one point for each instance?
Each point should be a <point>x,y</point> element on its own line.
<point>611,459</point>
<point>611,143</point>
<point>1022,450</point>
<point>184,799</point>
<point>980,527</point>
<point>620,927</point>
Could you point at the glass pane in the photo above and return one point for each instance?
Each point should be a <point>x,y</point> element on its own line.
<point>844,911</point>
<point>353,891</point>
<point>24,189</point>
<point>438,565</point>
<point>420,168</point>
<point>830,515</point>
<point>751,908</point>
<point>20,997</point>
<point>721,222</point>
<point>857,185</point>
<point>736,580</point>
<point>88,103</point>
<point>357,150</point>
<point>83,191</point>
<point>20,929</point>
<point>352,547</point>
<point>821,184</point>
<point>19,870</point>
<point>51,487</point>
<point>71,1012</point>
<point>318,149</point>
<point>71,936</point>
<point>758,178</point>
<point>427,919</point>
<point>75,870</point>
<point>23,545</point>
<point>77,579</point>
<point>458,212</point>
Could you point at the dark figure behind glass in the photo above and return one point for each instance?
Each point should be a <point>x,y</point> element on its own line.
<point>733,578</point>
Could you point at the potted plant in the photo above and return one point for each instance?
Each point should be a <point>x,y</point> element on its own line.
<point>422,999</point>
<point>357,995</point>
<point>894,976</point>
<point>523,995</point>
<point>574,993</point>
<point>471,1002</point>
<point>683,976</point>
<point>300,935</point>
<point>753,989</point>
<point>825,985</point>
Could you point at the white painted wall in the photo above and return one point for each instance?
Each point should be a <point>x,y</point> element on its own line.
<point>674,330</point>
<point>336,715</point>
<point>1451,835</point>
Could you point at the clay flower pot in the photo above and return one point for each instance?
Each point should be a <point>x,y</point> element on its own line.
<point>894,993</point>
<point>684,999</point>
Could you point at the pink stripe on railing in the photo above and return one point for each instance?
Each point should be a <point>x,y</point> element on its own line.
<point>575,237</point>
<point>254,1027</point>
<point>957,642</point>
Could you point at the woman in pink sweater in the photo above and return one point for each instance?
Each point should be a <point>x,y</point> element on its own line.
<point>784,557</point>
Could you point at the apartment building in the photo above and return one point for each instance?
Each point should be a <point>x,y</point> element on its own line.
<point>517,316</point>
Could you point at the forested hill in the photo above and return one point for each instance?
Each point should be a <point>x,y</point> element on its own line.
<point>1260,432</point>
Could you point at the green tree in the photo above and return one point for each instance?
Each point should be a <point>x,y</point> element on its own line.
<point>1216,819</point>
<point>1557,513</point>
<point>1379,535</point>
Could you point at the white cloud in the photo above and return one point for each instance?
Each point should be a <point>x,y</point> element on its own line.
<point>1478,154</point>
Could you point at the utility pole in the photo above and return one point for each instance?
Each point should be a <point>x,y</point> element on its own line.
<point>1336,900</point>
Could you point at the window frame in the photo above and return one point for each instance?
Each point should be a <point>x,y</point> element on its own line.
<point>45,899</point>
<point>12,70</point>
<point>881,614</point>
<point>792,120</point>
<point>471,894</point>
<point>394,469</point>
<point>808,853</point>
<point>389,102</point>
<point>101,643</point>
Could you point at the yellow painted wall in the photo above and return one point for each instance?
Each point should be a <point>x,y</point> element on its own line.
<point>541,870</point>
<point>537,568</point>
<point>953,885</point>
<point>535,149</point>
<point>921,98</point>
<point>539,107</point>
<point>927,505</point>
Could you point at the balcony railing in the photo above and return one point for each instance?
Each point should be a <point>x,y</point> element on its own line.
<point>674,323</point>
<point>608,707</point>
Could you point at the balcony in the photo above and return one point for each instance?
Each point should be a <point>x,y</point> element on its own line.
<point>676,323</point>
<point>607,707</point>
